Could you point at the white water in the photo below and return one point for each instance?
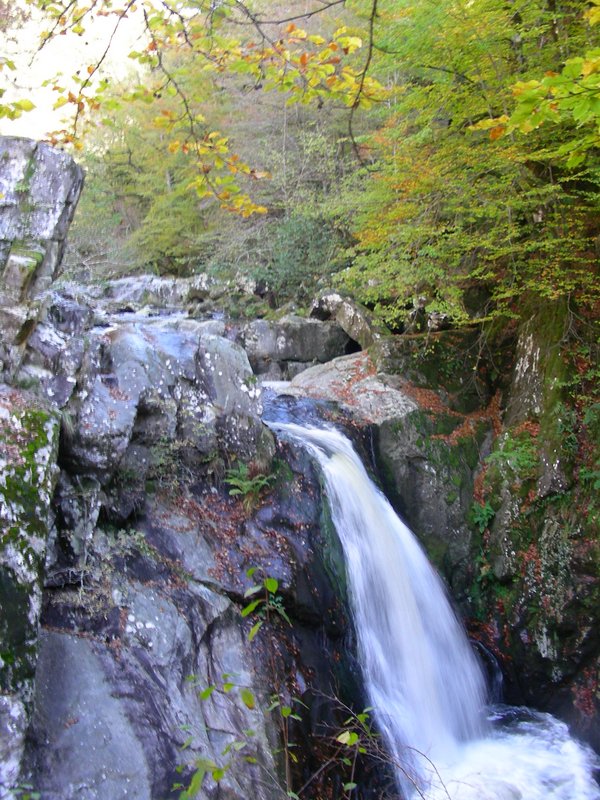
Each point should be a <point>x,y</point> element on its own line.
<point>424,682</point>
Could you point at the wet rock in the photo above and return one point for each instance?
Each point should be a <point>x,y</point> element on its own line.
<point>352,382</point>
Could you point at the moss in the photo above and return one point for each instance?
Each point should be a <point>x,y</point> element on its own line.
<point>24,185</point>
<point>28,251</point>
<point>17,645</point>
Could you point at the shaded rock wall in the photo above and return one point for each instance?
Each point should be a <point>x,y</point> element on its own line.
<point>536,586</point>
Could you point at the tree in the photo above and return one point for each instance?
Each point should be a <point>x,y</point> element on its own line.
<point>449,213</point>
<point>185,41</point>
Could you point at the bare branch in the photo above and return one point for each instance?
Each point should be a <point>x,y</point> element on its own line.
<point>361,85</point>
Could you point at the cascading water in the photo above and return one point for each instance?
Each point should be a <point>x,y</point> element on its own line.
<point>423,680</point>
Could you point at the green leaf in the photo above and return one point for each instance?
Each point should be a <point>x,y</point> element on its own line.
<point>247,698</point>
<point>206,693</point>
<point>348,738</point>
<point>271,584</point>
<point>24,105</point>
<point>251,607</point>
<point>254,630</point>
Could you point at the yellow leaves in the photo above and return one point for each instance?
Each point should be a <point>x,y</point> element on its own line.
<point>590,65</point>
<point>350,44</point>
<point>521,87</point>
<point>487,124</point>
<point>593,14</point>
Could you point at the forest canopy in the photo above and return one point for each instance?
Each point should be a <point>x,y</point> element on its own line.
<point>444,149</point>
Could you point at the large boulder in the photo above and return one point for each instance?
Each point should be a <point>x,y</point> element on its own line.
<point>154,383</point>
<point>39,190</point>
<point>284,348</point>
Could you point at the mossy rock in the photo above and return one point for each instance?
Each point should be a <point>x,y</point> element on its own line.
<point>29,436</point>
<point>447,362</point>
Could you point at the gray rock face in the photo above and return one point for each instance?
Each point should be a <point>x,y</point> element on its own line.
<point>39,190</point>
<point>139,624</point>
<point>78,717</point>
<point>145,568</point>
<point>28,450</point>
<point>13,726</point>
<point>154,383</point>
<point>280,350</point>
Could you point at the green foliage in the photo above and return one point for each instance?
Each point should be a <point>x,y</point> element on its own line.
<point>447,208</point>
<point>481,515</point>
<point>25,792</point>
<point>304,247</point>
<point>516,455</point>
<point>566,97</point>
<point>245,483</point>
<point>267,604</point>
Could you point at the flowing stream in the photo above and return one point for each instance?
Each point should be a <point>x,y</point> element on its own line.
<point>423,679</point>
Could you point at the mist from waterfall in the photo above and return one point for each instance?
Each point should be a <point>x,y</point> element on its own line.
<point>422,677</point>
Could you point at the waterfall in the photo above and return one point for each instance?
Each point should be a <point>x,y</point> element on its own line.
<point>422,677</point>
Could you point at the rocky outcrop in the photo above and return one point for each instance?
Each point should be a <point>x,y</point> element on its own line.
<point>282,349</point>
<point>28,451</point>
<point>537,586</point>
<point>39,189</point>
<point>361,325</point>
<point>145,671</point>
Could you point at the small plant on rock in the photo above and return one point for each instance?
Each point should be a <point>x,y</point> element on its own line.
<point>247,485</point>
<point>266,604</point>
